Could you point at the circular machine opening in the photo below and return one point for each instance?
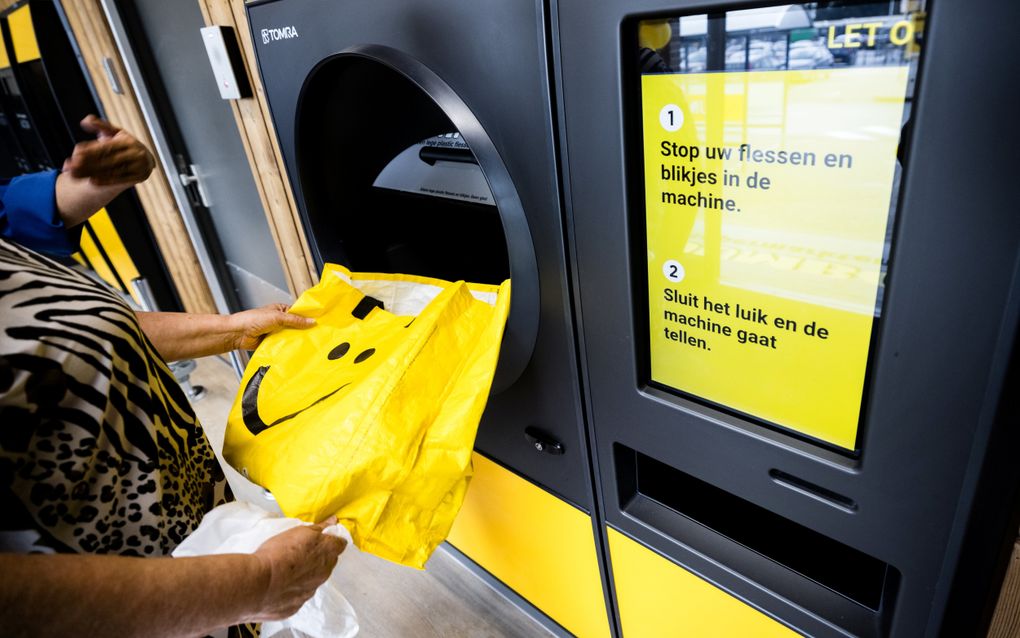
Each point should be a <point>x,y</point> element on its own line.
<point>399,176</point>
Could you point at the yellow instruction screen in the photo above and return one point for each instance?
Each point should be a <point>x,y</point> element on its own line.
<point>770,167</point>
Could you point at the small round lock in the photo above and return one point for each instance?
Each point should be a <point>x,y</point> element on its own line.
<point>543,441</point>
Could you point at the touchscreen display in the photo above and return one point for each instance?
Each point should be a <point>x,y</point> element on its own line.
<point>773,141</point>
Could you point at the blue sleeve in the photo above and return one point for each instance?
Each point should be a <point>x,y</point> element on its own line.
<point>28,214</point>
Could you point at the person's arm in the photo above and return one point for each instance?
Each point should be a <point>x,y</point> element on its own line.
<point>65,595</point>
<point>99,170</point>
<point>44,211</point>
<point>28,214</point>
<point>78,198</point>
<point>179,335</point>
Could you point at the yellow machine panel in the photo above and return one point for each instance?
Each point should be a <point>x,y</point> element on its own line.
<point>115,249</point>
<point>26,47</point>
<point>658,599</point>
<point>89,248</point>
<point>538,545</point>
<point>4,60</point>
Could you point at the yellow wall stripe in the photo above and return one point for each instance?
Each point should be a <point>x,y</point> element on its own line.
<point>659,599</point>
<point>538,545</point>
<point>26,47</point>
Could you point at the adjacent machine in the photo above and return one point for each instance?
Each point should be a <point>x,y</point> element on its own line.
<point>45,93</point>
<point>756,377</point>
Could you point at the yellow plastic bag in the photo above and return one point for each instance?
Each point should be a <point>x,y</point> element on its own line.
<point>371,415</point>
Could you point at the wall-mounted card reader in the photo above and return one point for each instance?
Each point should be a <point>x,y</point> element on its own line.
<point>227,64</point>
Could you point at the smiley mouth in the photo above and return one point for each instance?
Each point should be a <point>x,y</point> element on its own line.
<point>250,404</point>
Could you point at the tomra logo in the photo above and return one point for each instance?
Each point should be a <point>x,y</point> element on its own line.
<point>282,33</point>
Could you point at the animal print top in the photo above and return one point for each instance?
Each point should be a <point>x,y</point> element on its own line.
<point>100,451</point>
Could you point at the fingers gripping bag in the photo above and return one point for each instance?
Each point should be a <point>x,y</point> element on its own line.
<point>371,414</point>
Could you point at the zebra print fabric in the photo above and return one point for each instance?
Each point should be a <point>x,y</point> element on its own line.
<point>100,451</point>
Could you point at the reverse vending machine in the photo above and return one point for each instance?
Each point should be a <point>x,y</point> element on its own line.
<point>11,155</point>
<point>22,144</point>
<point>760,367</point>
<point>799,309</point>
<point>419,138</point>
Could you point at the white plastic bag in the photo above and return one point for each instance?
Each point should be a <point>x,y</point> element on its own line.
<point>241,528</point>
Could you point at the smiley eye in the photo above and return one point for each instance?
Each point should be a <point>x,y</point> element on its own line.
<point>339,351</point>
<point>364,355</point>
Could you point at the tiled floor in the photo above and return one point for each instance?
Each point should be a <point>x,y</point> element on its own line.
<point>444,601</point>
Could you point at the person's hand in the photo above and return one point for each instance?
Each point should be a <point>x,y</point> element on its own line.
<point>114,158</point>
<point>296,562</point>
<point>252,326</point>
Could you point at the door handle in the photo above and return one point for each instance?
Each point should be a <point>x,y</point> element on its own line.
<point>192,183</point>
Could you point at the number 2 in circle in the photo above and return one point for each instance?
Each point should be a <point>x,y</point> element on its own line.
<point>673,270</point>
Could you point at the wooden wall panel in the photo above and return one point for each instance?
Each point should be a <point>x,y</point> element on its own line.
<point>1006,621</point>
<point>260,144</point>
<point>88,22</point>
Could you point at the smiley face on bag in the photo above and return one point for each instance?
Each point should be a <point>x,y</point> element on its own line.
<point>250,404</point>
<point>319,376</point>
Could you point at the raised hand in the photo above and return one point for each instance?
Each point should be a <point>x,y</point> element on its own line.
<point>114,158</point>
